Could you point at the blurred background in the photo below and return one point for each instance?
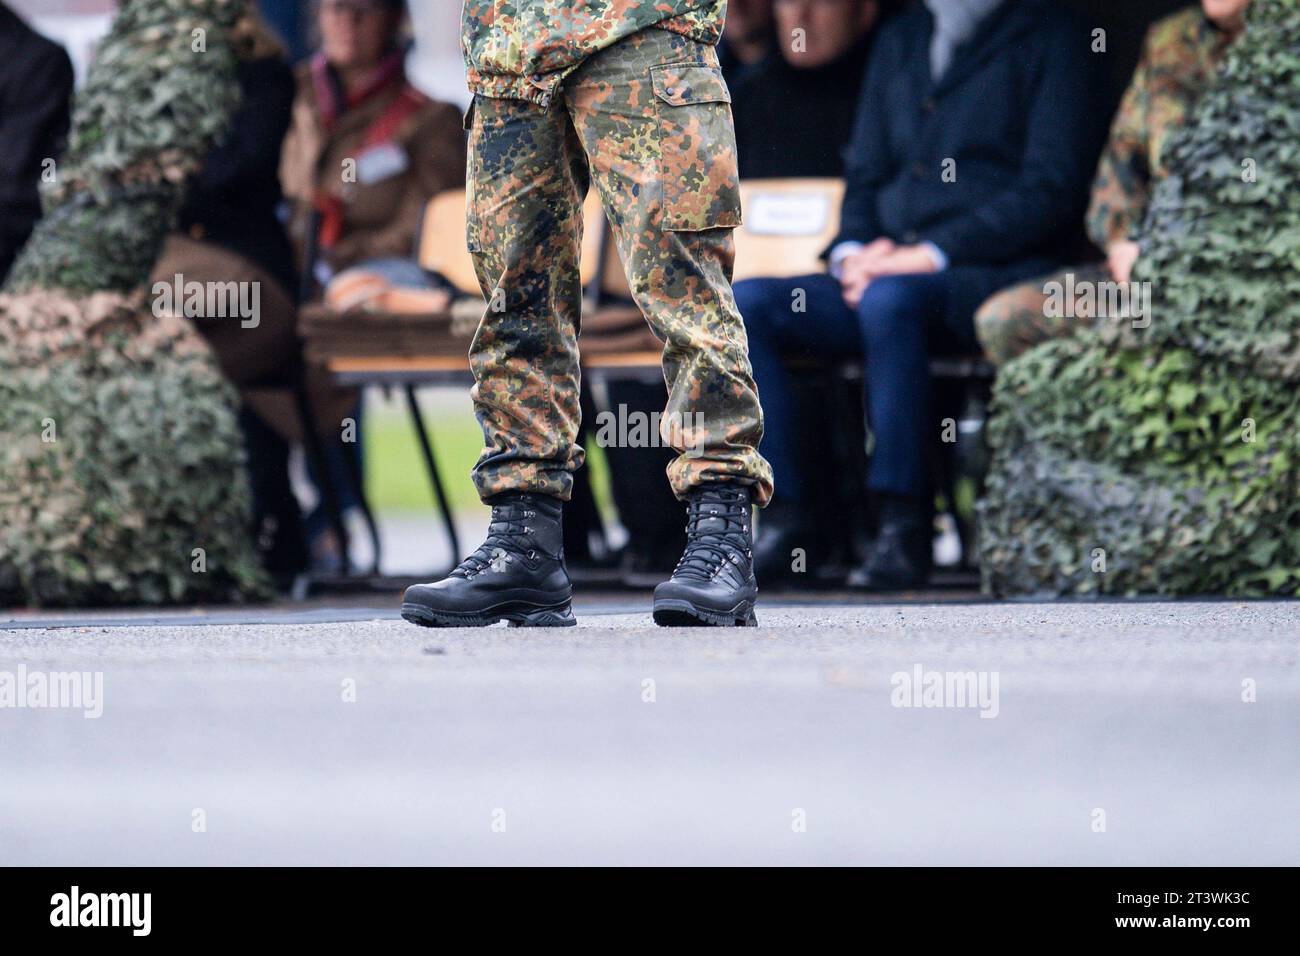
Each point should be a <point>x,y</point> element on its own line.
<point>626,528</point>
<point>434,64</point>
<point>399,492</point>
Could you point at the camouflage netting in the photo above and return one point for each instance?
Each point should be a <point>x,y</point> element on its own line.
<point>120,453</point>
<point>1173,449</point>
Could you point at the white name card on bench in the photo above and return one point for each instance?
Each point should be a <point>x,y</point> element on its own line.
<point>787,214</point>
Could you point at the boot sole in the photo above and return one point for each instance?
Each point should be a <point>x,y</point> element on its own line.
<point>517,615</point>
<point>678,613</point>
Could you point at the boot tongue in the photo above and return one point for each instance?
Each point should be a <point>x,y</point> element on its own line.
<point>720,515</point>
<point>711,524</point>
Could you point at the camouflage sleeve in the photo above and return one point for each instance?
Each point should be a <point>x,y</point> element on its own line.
<point>1122,187</point>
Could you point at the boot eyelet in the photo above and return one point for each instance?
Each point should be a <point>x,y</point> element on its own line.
<point>532,555</point>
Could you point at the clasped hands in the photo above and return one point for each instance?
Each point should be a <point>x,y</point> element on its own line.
<point>880,258</point>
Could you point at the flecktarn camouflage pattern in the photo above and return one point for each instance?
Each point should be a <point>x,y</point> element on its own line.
<point>648,122</point>
<point>1181,55</point>
<point>1016,319</point>
<point>1165,459</point>
<point>120,470</point>
<point>523,49</point>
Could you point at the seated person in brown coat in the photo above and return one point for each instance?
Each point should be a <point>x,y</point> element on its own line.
<point>365,153</point>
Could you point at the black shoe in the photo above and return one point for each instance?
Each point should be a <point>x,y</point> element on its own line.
<point>516,575</point>
<point>900,558</point>
<point>782,529</point>
<point>640,566</point>
<point>714,583</point>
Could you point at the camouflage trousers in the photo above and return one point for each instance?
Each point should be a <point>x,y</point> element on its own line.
<point>647,121</point>
<point>1016,319</point>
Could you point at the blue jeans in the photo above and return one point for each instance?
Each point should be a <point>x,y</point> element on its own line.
<point>900,322</point>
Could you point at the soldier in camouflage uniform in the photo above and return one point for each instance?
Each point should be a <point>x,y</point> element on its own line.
<point>625,95</point>
<point>1179,59</point>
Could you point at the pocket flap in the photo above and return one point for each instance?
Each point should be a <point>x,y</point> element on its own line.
<point>684,83</point>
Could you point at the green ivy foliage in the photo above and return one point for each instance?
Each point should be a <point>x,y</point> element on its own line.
<point>121,475</point>
<point>1174,448</point>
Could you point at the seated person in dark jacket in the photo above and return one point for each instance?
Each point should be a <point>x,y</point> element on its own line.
<point>794,111</point>
<point>747,40</point>
<point>968,170</point>
<point>35,90</point>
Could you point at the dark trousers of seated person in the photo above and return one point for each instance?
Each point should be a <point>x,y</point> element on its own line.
<point>900,323</point>
<point>255,354</point>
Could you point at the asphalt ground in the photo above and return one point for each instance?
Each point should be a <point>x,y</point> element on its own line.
<point>835,733</point>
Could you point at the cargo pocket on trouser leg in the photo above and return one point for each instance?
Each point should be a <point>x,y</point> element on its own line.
<point>713,416</point>
<point>697,148</point>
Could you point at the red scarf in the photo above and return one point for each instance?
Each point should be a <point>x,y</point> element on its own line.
<point>390,72</point>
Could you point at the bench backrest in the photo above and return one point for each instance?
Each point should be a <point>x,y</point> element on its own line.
<point>788,223</point>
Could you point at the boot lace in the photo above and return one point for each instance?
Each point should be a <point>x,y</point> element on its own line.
<point>709,544</point>
<point>508,536</point>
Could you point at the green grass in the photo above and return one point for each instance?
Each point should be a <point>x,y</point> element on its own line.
<point>395,476</point>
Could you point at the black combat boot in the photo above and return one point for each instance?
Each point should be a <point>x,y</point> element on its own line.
<point>783,528</point>
<point>714,582</point>
<point>516,575</point>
